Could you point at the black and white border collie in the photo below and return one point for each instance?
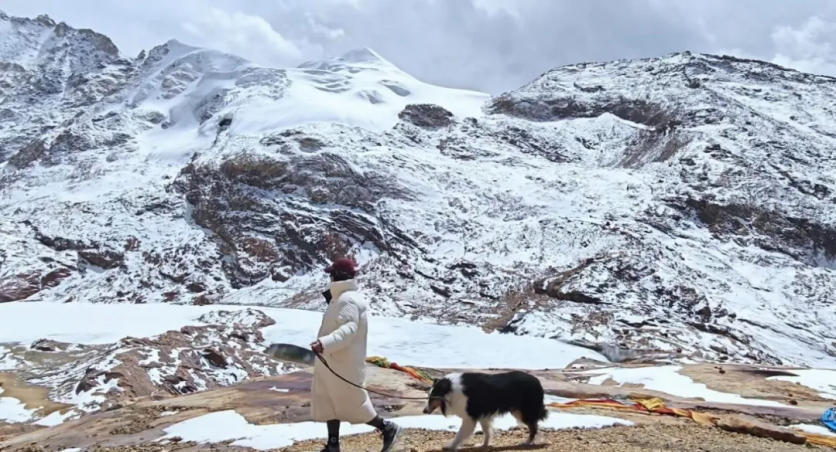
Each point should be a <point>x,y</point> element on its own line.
<point>479,397</point>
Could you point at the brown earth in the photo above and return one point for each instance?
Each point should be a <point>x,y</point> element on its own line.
<point>751,382</point>
<point>32,396</point>
<point>140,421</point>
<point>644,438</point>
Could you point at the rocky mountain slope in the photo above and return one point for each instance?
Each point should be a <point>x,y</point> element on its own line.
<point>682,205</point>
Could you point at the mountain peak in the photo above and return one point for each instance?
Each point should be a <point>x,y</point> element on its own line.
<point>362,57</point>
<point>45,20</point>
<point>176,45</point>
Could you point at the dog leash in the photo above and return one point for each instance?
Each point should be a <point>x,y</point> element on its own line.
<point>321,358</point>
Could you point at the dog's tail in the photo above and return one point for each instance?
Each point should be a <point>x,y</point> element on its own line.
<point>544,413</point>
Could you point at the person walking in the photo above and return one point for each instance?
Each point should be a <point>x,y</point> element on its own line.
<point>342,341</point>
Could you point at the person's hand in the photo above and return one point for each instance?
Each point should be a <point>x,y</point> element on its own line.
<point>316,346</point>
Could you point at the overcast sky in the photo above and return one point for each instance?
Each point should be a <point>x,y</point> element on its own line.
<point>489,45</point>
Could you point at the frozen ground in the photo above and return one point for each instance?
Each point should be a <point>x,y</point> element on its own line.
<point>229,425</point>
<point>667,379</point>
<point>401,341</point>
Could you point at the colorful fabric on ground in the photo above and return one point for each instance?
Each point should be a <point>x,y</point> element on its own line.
<point>384,363</point>
<point>649,406</point>
<point>820,440</point>
<point>657,406</point>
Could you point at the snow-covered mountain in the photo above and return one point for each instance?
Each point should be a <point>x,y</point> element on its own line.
<point>682,204</point>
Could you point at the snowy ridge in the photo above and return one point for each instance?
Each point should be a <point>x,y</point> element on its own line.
<point>680,205</point>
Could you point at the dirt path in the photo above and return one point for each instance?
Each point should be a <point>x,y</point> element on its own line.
<point>644,438</point>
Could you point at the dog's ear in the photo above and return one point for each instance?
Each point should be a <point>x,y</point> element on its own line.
<point>435,380</point>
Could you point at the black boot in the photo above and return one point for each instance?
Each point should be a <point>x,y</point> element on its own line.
<point>333,444</point>
<point>391,431</point>
<point>331,447</point>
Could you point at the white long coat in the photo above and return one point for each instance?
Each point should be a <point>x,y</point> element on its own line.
<point>343,335</point>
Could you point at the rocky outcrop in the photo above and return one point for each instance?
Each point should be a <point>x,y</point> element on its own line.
<point>106,259</point>
<point>245,202</point>
<point>801,238</point>
<point>427,116</point>
<point>19,287</point>
<point>33,152</point>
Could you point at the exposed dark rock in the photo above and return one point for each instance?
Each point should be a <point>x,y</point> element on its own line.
<point>443,291</point>
<point>33,152</point>
<point>310,144</point>
<point>106,259</point>
<point>68,142</point>
<point>767,229</point>
<point>231,202</point>
<point>214,357</point>
<point>202,300</point>
<point>53,278</point>
<point>89,381</point>
<point>19,287</point>
<point>196,287</point>
<point>257,171</point>
<point>576,297</point>
<point>556,108</point>
<point>173,379</point>
<point>428,116</point>
<point>61,243</point>
<point>48,345</point>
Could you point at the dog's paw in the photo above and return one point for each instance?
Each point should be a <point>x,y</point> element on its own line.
<point>448,447</point>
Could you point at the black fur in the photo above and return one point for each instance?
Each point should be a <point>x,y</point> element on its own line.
<point>490,395</point>
<point>441,390</point>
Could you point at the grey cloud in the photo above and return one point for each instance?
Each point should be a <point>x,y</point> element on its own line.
<point>490,45</point>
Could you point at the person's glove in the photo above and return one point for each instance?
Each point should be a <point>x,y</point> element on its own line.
<point>316,346</point>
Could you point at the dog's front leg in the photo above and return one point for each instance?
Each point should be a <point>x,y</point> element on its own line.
<point>465,432</point>
<point>487,430</point>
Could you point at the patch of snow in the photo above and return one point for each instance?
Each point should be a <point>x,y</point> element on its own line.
<point>7,360</point>
<point>152,357</point>
<point>431,345</point>
<point>13,410</point>
<point>815,429</point>
<point>56,418</point>
<point>402,341</point>
<point>668,380</point>
<point>86,323</point>
<point>821,380</point>
<point>90,401</point>
<point>229,425</point>
<point>556,399</point>
<point>279,389</point>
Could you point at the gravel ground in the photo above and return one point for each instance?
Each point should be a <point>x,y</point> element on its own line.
<point>687,437</point>
<point>645,438</point>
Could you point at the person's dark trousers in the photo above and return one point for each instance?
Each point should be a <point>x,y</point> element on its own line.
<point>389,430</point>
